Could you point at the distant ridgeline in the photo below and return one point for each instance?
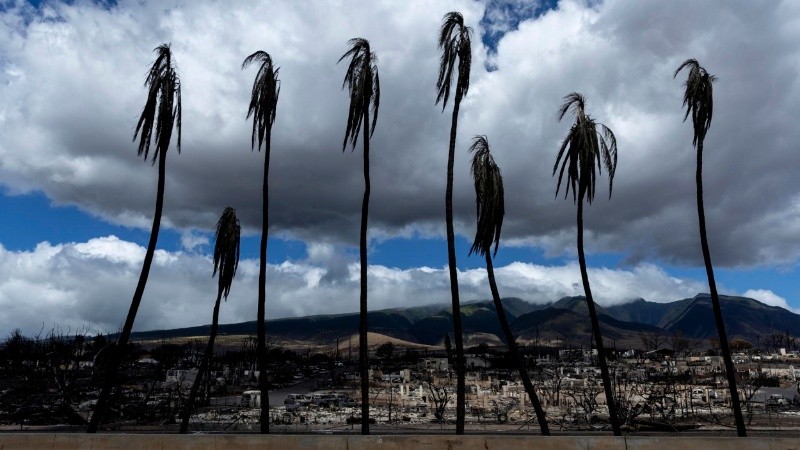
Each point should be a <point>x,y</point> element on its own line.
<point>565,320</point>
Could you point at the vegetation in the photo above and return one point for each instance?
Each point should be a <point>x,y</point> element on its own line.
<point>364,87</point>
<point>490,207</point>
<point>162,110</point>
<point>454,42</point>
<point>226,260</point>
<point>698,99</point>
<point>263,104</point>
<point>584,153</point>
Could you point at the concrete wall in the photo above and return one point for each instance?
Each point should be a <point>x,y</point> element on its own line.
<point>40,441</point>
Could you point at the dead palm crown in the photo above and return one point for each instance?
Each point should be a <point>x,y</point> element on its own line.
<point>584,151</point>
<point>163,106</point>
<point>264,95</point>
<point>490,209</point>
<point>226,250</point>
<point>489,198</point>
<point>363,84</point>
<point>698,98</point>
<point>455,43</point>
<point>588,147</point>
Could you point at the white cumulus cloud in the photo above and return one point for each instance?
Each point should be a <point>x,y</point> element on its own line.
<point>770,298</point>
<point>90,284</point>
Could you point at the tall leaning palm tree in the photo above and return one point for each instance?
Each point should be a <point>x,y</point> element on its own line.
<point>490,208</point>
<point>162,111</point>
<point>226,260</point>
<point>699,102</point>
<point>588,147</point>
<point>455,43</point>
<point>263,104</point>
<point>363,84</point>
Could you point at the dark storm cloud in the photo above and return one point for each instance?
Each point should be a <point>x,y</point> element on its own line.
<point>72,89</point>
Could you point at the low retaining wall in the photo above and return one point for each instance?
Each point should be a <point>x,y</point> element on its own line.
<point>57,441</point>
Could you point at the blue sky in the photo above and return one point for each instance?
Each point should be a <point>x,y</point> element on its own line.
<point>37,220</point>
<point>69,176</point>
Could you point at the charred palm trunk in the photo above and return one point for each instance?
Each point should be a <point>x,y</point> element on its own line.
<point>111,374</point>
<point>514,350</point>
<point>598,338</point>
<point>451,261</point>
<point>730,370</point>
<point>363,362</point>
<point>261,348</point>
<point>204,367</point>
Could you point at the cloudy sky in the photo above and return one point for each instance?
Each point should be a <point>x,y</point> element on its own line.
<point>77,203</point>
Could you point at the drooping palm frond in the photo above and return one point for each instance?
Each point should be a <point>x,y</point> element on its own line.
<point>454,41</point>
<point>489,198</point>
<point>364,86</point>
<point>226,249</point>
<point>162,109</point>
<point>264,96</point>
<point>585,150</point>
<point>698,97</point>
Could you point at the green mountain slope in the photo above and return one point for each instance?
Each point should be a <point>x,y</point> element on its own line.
<point>566,320</point>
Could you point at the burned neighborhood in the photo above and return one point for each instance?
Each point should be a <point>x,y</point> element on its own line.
<point>661,383</point>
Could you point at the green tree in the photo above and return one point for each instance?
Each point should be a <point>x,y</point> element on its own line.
<point>226,260</point>
<point>363,84</point>
<point>490,208</point>
<point>263,104</point>
<point>385,350</point>
<point>588,147</point>
<point>698,99</point>
<point>455,43</point>
<point>162,111</point>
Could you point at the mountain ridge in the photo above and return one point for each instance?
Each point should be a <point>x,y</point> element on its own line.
<point>565,319</point>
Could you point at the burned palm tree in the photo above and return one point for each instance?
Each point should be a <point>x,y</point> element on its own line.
<point>699,102</point>
<point>363,84</point>
<point>226,260</point>
<point>162,112</point>
<point>490,209</point>
<point>455,43</point>
<point>587,149</point>
<point>263,104</point>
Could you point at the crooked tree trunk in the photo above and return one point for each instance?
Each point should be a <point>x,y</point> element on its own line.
<point>730,369</point>
<point>451,262</point>
<point>112,371</point>
<point>598,338</point>
<point>363,355</point>
<point>261,347</point>
<point>205,364</point>
<point>514,350</point>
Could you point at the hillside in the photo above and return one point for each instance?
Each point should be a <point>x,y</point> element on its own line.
<point>744,318</point>
<point>574,327</point>
<point>642,311</point>
<point>564,320</point>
